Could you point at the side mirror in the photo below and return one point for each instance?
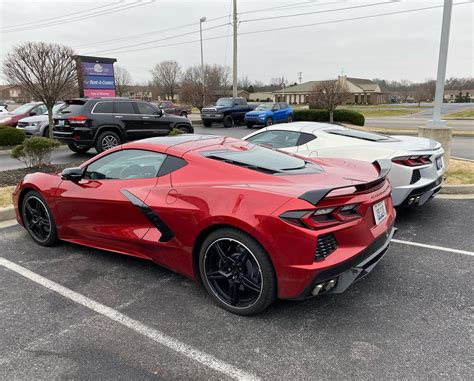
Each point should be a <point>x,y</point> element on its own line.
<point>32,113</point>
<point>73,174</point>
<point>159,112</point>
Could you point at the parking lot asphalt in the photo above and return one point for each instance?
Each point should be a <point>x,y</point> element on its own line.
<point>409,318</point>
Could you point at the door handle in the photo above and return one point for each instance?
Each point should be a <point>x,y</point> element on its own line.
<point>145,117</point>
<point>119,116</point>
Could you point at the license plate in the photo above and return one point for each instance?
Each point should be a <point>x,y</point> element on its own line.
<point>439,163</point>
<point>61,123</point>
<point>380,212</point>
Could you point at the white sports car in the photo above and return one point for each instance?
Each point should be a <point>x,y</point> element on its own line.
<point>417,170</point>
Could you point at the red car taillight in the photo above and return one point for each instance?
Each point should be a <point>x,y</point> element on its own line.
<point>412,161</point>
<point>322,217</point>
<point>77,119</point>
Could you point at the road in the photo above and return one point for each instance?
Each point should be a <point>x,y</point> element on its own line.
<point>409,319</point>
<point>410,122</point>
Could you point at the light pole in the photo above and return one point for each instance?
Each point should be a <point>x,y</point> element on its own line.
<point>438,129</point>
<point>201,20</point>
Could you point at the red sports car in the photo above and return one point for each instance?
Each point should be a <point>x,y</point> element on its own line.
<point>248,222</point>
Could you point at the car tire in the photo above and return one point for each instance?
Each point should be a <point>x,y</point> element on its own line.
<point>228,121</point>
<point>207,123</point>
<point>237,272</point>
<point>38,219</point>
<point>46,132</point>
<point>184,129</point>
<point>249,125</point>
<point>107,140</point>
<point>290,119</point>
<point>78,148</point>
<point>184,114</point>
<point>269,121</point>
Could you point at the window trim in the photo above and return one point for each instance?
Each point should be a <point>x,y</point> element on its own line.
<point>103,113</point>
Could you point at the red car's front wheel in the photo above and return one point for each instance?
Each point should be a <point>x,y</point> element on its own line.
<point>237,272</point>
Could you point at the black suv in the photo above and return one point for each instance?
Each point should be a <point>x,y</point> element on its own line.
<point>108,122</point>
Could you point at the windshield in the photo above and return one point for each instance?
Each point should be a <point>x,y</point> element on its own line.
<point>224,102</point>
<point>56,108</point>
<point>22,109</point>
<point>265,107</point>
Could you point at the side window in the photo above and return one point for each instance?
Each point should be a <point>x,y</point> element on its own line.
<point>124,108</point>
<point>305,138</point>
<point>126,164</point>
<point>276,139</point>
<point>144,108</point>
<point>104,108</point>
<point>283,106</point>
<point>276,107</point>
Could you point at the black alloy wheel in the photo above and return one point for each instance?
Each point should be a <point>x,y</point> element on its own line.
<point>237,272</point>
<point>290,119</point>
<point>269,121</point>
<point>78,148</point>
<point>228,121</point>
<point>249,125</point>
<point>184,114</point>
<point>38,219</point>
<point>184,130</point>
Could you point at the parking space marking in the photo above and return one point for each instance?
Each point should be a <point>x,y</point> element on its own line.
<point>151,333</point>
<point>465,252</point>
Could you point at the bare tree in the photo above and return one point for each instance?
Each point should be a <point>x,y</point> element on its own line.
<point>123,80</point>
<point>46,71</point>
<point>192,89</point>
<point>423,91</point>
<point>244,83</point>
<point>166,75</point>
<point>328,95</point>
<point>279,82</point>
<point>404,88</point>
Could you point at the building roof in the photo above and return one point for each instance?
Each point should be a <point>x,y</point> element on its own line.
<point>307,87</point>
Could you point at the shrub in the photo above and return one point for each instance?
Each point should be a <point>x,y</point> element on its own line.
<point>10,136</point>
<point>175,131</point>
<point>35,152</point>
<point>318,115</point>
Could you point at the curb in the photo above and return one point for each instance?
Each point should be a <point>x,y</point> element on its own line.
<point>9,151</point>
<point>7,213</point>
<point>465,189</point>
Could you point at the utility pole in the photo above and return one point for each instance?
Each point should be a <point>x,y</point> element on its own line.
<point>234,66</point>
<point>300,76</point>
<point>438,129</point>
<point>201,20</point>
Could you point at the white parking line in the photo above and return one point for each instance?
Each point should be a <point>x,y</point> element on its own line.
<point>465,252</point>
<point>153,334</point>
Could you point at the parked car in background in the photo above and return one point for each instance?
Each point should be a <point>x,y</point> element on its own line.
<point>417,163</point>
<point>227,111</point>
<point>105,123</point>
<point>270,113</point>
<point>170,108</point>
<point>28,109</point>
<point>37,125</point>
<point>250,223</point>
<point>3,109</point>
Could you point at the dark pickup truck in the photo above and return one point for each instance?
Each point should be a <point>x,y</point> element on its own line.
<point>170,108</point>
<point>226,111</point>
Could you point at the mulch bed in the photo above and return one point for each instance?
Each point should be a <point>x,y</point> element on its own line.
<point>14,176</point>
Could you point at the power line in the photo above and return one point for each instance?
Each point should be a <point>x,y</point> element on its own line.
<point>281,6</point>
<point>297,26</point>
<point>62,15</point>
<point>132,37</point>
<point>323,11</point>
<point>188,33</point>
<point>160,39</point>
<point>120,8</point>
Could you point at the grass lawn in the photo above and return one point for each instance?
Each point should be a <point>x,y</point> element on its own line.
<point>460,172</point>
<point>464,114</point>
<point>6,196</point>
<point>383,110</point>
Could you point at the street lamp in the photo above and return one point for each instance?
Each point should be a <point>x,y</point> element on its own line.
<point>201,20</point>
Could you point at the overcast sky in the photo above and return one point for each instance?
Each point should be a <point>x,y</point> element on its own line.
<point>393,47</point>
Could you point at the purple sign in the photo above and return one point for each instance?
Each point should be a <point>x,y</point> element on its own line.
<point>93,68</point>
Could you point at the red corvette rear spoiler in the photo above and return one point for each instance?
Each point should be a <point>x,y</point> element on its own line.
<point>383,166</point>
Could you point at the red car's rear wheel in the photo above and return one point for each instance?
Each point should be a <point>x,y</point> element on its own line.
<point>237,272</point>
